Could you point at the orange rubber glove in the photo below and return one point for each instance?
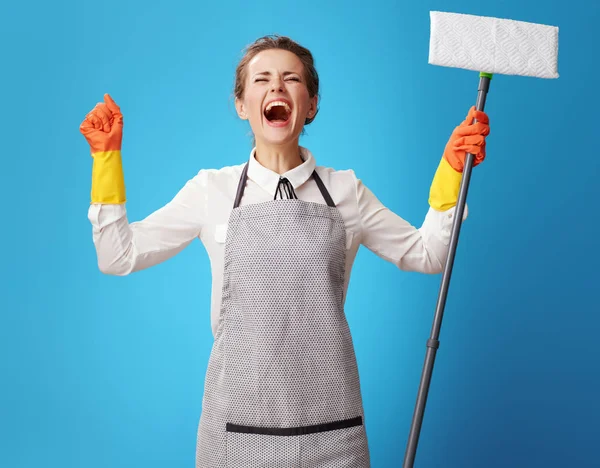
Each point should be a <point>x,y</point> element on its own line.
<point>103,130</point>
<point>468,137</point>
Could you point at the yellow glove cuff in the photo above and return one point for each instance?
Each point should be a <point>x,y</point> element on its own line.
<point>108,183</point>
<point>443,193</point>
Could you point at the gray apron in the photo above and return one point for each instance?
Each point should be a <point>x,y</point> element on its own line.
<point>282,386</point>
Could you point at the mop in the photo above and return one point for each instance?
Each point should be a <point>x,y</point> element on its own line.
<point>490,46</point>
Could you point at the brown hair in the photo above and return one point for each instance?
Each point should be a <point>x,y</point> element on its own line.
<point>275,41</point>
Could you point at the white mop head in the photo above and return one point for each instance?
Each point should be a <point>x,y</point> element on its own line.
<point>493,45</point>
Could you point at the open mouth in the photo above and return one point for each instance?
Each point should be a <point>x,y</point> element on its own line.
<point>278,112</point>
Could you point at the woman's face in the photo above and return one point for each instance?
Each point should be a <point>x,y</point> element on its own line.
<point>276,100</point>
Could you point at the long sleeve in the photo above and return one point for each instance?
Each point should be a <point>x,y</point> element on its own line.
<point>123,247</point>
<point>392,238</point>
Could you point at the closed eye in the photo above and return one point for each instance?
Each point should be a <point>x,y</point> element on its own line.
<point>293,78</point>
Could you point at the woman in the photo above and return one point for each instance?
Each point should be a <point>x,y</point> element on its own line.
<point>282,386</point>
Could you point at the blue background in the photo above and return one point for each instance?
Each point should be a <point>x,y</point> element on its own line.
<point>101,371</point>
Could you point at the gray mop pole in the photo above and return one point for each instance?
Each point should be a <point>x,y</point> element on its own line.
<point>498,46</point>
<point>433,342</point>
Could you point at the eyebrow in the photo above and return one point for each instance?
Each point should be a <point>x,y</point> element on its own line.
<point>268,73</point>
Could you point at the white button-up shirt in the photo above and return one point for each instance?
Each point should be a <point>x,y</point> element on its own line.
<point>201,210</point>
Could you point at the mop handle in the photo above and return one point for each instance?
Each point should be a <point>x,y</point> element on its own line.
<point>433,342</point>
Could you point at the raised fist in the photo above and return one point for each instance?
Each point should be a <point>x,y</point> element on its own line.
<point>103,126</point>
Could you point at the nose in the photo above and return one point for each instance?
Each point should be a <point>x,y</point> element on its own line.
<point>277,85</point>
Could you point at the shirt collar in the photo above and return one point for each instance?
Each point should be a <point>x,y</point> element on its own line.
<point>268,179</point>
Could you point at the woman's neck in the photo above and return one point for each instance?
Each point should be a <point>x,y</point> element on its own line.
<point>278,158</point>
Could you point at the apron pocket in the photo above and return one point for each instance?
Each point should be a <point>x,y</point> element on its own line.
<point>344,446</point>
<point>324,445</point>
<point>250,447</point>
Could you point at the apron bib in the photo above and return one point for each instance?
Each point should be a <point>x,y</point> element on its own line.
<point>282,386</point>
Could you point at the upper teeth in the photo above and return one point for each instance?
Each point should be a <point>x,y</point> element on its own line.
<point>279,103</point>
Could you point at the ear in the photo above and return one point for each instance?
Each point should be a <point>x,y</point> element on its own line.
<point>239,107</point>
<point>312,109</point>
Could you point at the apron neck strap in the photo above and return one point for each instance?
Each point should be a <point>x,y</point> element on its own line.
<point>323,189</point>
<point>244,177</point>
<point>241,186</point>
